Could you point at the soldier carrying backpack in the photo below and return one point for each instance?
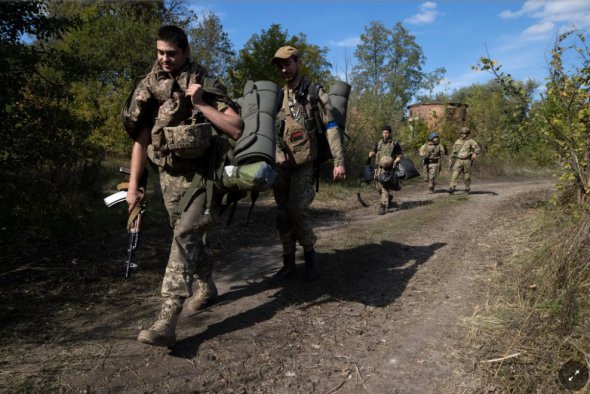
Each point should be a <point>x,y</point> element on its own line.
<point>173,115</point>
<point>297,151</point>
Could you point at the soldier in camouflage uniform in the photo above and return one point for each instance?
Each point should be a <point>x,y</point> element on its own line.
<point>296,152</point>
<point>432,153</point>
<point>169,96</point>
<point>464,152</point>
<point>387,154</point>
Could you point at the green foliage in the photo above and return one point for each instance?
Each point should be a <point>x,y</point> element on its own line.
<point>254,59</point>
<point>388,74</point>
<point>211,47</point>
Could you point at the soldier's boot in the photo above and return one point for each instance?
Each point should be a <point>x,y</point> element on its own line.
<point>382,209</point>
<point>204,296</point>
<point>163,331</point>
<point>452,190</point>
<point>287,270</point>
<point>467,190</point>
<point>312,265</point>
<point>431,187</point>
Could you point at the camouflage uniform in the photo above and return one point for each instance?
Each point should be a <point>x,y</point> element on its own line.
<point>161,98</point>
<point>385,148</point>
<point>462,152</point>
<point>432,154</point>
<point>296,153</point>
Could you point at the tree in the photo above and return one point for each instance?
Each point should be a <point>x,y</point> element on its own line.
<point>388,74</point>
<point>254,59</point>
<point>211,47</point>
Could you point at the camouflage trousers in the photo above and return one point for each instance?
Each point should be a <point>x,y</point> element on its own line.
<point>294,192</point>
<point>432,172</point>
<point>187,258</point>
<point>462,166</point>
<point>385,195</point>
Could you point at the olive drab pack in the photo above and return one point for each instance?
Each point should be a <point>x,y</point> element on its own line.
<point>338,95</point>
<point>194,144</point>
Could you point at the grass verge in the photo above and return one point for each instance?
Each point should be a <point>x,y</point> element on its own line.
<point>536,321</point>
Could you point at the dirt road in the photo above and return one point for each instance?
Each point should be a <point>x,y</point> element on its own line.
<point>385,317</point>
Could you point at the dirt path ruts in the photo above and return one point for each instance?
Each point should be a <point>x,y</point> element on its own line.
<point>385,317</point>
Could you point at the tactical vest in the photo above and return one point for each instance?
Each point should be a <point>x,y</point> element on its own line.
<point>385,148</point>
<point>433,152</point>
<point>298,141</point>
<point>464,148</point>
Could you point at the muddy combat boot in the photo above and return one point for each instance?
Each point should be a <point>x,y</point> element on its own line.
<point>467,191</point>
<point>312,266</point>
<point>204,296</point>
<point>287,270</point>
<point>162,332</point>
<point>382,209</point>
<point>431,188</point>
<point>451,190</point>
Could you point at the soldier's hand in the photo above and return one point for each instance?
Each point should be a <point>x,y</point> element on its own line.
<point>133,197</point>
<point>339,173</point>
<point>371,154</point>
<point>473,156</point>
<point>195,92</point>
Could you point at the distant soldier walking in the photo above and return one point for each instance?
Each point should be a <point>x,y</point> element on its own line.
<point>432,153</point>
<point>464,152</point>
<point>387,154</point>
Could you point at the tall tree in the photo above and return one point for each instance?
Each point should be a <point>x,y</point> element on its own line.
<point>388,74</point>
<point>212,48</point>
<point>254,59</point>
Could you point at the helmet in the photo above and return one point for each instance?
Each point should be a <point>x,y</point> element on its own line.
<point>386,162</point>
<point>465,130</point>
<point>432,135</point>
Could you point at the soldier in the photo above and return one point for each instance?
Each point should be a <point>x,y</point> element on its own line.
<point>464,152</point>
<point>387,153</point>
<point>432,153</point>
<point>170,95</point>
<point>296,152</point>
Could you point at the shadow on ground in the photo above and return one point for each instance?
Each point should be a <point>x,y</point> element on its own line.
<point>372,275</point>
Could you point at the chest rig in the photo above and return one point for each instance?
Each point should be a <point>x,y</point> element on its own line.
<point>299,137</point>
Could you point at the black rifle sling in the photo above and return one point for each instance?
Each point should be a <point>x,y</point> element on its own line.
<point>315,111</point>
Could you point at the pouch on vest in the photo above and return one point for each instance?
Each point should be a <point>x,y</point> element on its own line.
<point>389,180</point>
<point>188,141</point>
<point>258,176</point>
<point>259,107</point>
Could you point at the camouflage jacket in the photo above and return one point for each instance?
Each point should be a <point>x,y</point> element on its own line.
<point>159,101</point>
<point>387,147</point>
<point>464,148</point>
<point>296,112</point>
<point>432,152</point>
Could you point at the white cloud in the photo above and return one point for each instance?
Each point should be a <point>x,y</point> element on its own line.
<point>347,42</point>
<point>539,28</point>
<point>427,14</point>
<point>550,15</point>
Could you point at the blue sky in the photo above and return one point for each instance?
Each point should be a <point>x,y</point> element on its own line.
<point>452,34</point>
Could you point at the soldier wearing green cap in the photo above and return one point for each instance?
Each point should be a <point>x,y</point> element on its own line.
<point>296,152</point>
<point>432,153</point>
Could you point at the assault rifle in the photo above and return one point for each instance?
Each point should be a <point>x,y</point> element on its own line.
<point>135,216</point>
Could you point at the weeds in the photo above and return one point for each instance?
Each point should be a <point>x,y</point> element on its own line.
<point>542,314</point>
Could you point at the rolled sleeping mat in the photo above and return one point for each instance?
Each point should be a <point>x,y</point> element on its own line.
<point>260,105</point>
<point>257,176</point>
<point>339,94</point>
